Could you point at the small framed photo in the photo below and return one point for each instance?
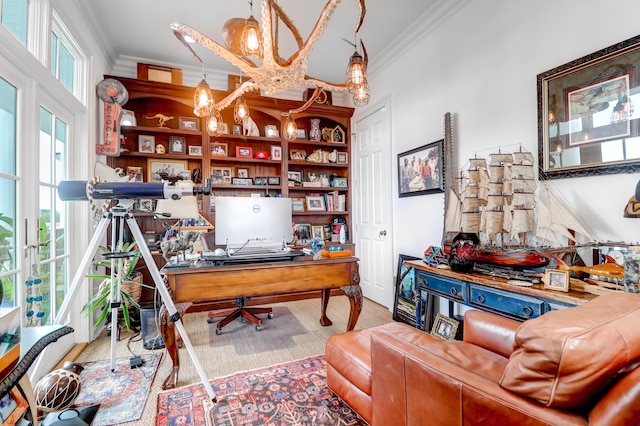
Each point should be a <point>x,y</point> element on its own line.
<point>297,154</point>
<point>555,279</point>
<point>128,118</point>
<point>172,168</point>
<point>237,129</point>
<point>195,150</point>
<point>276,152</point>
<point>273,180</point>
<point>13,407</point>
<point>185,174</point>
<point>315,203</point>
<point>134,173</point>
<point>337,135</point>
<point>224,129</point>
<point>303,230</point>
<point>444,327</point>
<point>188,123</point>
<point>340,182</point>
<point>297,204</point>
<point>146,143</point>
<point>177,145</point>
<point>219,149</point>
<point>261,181</point>
<point>271,131</point>
<point>342,158</point>
<point>221,175</point>
<point>242,181</point>
<point>295,175</point>
<point>242,173</point>
<point>407,296</point>
<point>244,151</point>
<point>317,231</point>
<point>301,134</point>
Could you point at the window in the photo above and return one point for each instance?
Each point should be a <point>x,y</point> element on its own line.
<point>65,55</point>
<point>14,17</point>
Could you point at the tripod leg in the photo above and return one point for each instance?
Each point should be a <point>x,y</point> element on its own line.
<point>168,302</point>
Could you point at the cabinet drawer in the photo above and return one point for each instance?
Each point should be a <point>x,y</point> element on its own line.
<point>505,303</point>
<point>451,289</point>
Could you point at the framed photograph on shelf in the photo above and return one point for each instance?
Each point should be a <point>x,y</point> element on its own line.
<point>297,154</point>
<point>261,181</point>
<point>301,134</point>
<point>172,168</point>
<point>177,145</point>
<point>555,279</point>
<point>13,407</point>
<point>224,129</point>
<point>420,170</point>
<point>185,174</point>
<point>295,175</point>
<point>444,328</point>
<point>303,230</point>
<point>221,173</point>
<point>244,152</point>
<point>242,181</point>
<point>407,293</point>
<point>128,118</point>
<point>242,173</point>
<point>340,182</point>
<point>273,180</point>
<point>134,173</point>
<point>276,152</point>
<point>317,231</point>
<point>237,129</point>
<point>146,143</point>
<point>342,158</point>
<point>315,203</point>
<point>188,123</point>
<point>297,204</point>
<point>195,150</point>
<point>337,135</point>
<point>219,149</point>
<point>271,131</point>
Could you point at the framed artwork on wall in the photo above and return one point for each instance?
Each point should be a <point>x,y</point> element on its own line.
<point>172,168</point>
<point>420,170</point>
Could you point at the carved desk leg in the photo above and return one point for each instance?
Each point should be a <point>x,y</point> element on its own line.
<point>168,331</point>
<point>353,292</point>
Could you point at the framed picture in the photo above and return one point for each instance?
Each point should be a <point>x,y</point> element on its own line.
<point>244,151</point>
<point>261,181</point>
<point>297,204</point>
<point>237,129</point>
<point>12,407</point>
<point>224,129</point>
<point>444,327</point>
<point>134,173</point>
<point>337,135</point>
<point>273,180</point>
<point>271,131</point>
<point>586,123</point>
<point>303,230</point>
<point>242,181</point>
<point>316,179</point>
<point>317,231</point>
<point>420,171</point>
<point>340,182</point>
<point>221,175</point>
<point>172,168</point>
<point>195,150</point>
<point>555,279</point>
<point>146,143</point>
<point>301,134</point>
<point>297,154</point>
<point>219,149</point>
<point>242,173</point>
<point>276,152</point>
<point>128,118</point>
<point>185,174</point>
<point>295,175</point>
<point>342,158</point>
<point>315,203</point>
<point>407,293</point>
<point>188,123</point>
<point>177,145</point>
<point>327,134</point>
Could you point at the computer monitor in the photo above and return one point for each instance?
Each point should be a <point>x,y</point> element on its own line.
<point>253,221</point>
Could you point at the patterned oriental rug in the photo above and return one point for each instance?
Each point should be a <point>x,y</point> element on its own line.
<point>122,394</point>
<point>294,393</point>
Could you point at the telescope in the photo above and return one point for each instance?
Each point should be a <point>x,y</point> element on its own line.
<point>76,190</point>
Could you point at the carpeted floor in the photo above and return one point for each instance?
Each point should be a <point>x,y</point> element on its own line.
<point>222,360</point>
<point>293,393</point>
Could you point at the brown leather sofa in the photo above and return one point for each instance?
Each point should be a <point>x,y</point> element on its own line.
<point>575,366</point>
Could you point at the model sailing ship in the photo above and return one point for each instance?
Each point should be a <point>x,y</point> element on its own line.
<point>501,202</point>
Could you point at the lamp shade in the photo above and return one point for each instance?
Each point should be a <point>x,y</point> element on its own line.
<point>202,100</point>
<point>361,96</point>
<point>251,42</point>
<point>214,123</point>
<point>356,73</point>
<point>289,128</point>
<point>241,110</point>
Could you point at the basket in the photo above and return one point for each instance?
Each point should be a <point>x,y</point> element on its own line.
<point>132,286</point>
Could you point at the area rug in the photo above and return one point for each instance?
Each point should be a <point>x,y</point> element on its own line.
<point>122,394</point>
<point>294,393</point>
<point>276,333</point>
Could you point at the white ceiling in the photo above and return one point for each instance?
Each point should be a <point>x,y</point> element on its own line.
<point>140,29</point>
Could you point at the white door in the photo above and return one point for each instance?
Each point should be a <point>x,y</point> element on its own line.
<point>373,201</point>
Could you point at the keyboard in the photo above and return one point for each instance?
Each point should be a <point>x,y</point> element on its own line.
<point>280,255</point>
<point>258,251</point>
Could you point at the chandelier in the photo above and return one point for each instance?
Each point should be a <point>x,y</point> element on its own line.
<point>271,73</point>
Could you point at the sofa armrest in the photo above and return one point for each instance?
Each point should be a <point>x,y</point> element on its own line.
<point>489,331</point>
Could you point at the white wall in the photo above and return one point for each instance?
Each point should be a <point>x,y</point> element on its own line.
<point>481,64</point>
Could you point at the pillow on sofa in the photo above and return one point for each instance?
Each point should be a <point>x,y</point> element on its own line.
<point>565,358</point>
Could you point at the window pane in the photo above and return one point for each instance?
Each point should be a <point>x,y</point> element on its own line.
<point>60,283</point>
<point>45,290</point>
<point>46,128</point>
<point>54,54</point>
<point>14,17</point>
<point>8,283</point>
<point>8,102</point>
<point>66,68</point>
<point>8,250</point>
<point>60,149</point>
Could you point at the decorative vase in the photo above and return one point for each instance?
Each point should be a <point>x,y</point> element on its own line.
<point>58,389</point>
<point>463,252</point>
<point>315,133</point>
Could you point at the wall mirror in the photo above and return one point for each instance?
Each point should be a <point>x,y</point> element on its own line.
<point>589,114</point>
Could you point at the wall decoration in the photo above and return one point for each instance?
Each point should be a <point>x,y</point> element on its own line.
<point>221,174</point>
<point>589,114</point>
<point>173,168</point>
<point>177,145</point>
<point>342,158</point>
<point>271,131</point>
<point>188,123</point>
<point>420,171</point>
<point>195,150</point>
<point>315,203</point>
<point>146,143</point>
<point>407,292</point>
<point>128,118</point>
<point>219,149</point>
<point>244,152</point>
<point>276,152</point>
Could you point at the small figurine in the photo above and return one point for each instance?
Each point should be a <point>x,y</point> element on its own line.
<point>162,119</point>
<point>250,127</point>
<point>160,149</point>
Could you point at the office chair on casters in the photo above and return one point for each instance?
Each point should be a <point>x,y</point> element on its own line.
<point>242,313</point>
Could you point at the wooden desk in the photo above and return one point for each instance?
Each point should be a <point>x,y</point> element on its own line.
<point>210,284</point>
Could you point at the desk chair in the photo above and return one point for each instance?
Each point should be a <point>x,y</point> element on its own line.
<point>241,312</point>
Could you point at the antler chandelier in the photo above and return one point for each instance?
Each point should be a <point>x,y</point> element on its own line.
<point>260,60</point>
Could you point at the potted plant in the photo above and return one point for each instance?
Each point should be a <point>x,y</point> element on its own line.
<point>130,283</point>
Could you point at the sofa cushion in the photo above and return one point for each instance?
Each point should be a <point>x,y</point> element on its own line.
<point>565,358</point>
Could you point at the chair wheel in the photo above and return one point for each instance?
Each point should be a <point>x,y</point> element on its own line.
<point>218,331</point>
<point>270,315</point>
<point>210,320</point>
<point>258,327</point>
<point>241,319</point>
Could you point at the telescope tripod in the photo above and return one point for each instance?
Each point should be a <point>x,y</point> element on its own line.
<point>117,218</point>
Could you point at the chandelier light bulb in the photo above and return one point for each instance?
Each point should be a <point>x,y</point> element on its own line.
<point>361,96</point>
<point>202,99</point>
<point>214,123</point>
<point>241,110</point>
<point>356,73</point>
<point>290,130</point>
<point>251,41</point>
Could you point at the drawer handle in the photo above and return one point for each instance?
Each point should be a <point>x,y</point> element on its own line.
<point>481,298</point>
<point>453,291</point>
<point>527,311</point>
